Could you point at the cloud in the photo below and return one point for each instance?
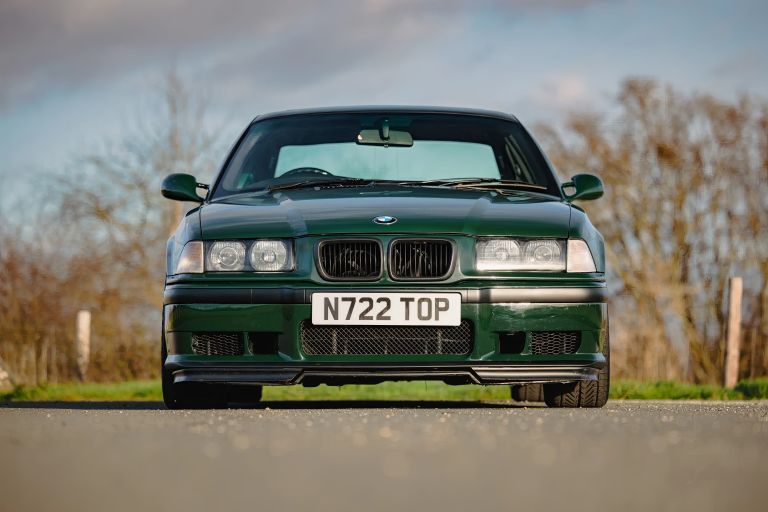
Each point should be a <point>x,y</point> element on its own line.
<point>48,45</point>
<point>51,43</point>
<point>746,66</point>
<point>568,91</point>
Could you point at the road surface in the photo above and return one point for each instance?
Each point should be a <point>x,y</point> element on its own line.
<point>334,456</point>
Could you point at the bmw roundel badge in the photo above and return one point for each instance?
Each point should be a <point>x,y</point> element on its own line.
<point>384,219</point>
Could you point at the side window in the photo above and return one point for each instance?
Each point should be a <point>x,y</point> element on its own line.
<point>519,166</point>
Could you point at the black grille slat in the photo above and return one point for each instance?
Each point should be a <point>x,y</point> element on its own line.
<point>386,340</point>
<point>421,259</point>
<point>356,260</point>
<point>555,342</point>
<point>218,343</point>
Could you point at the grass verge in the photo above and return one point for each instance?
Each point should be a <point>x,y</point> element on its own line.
<point>417,391</point>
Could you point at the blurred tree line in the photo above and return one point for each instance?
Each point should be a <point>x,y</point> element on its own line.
<point>94,238</point>
<point>686,206</point>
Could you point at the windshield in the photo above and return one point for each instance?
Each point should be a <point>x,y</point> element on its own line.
<point>401,148</point>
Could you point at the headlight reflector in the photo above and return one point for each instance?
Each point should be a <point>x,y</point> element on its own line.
<point>271,256</point>
<point>262,256</point>
<point>543,255</point>
<point>226,256</point>
<point>580,257</point>
<point>498,254</point>
<point>507,254</point>
<point>190,259</point>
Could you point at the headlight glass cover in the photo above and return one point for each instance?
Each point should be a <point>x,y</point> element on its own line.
<point>271,256</point>
<point>519,254</point>
<point>226,256</point>
<point>249,256</point>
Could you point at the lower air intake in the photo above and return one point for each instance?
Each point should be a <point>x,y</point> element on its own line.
<point>555,342</point>
<point>217,343</point>
<point>377,340</point>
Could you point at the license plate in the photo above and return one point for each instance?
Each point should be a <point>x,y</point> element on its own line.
<point>386,308</point>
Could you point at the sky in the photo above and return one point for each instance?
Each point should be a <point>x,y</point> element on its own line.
<point>75,73</point>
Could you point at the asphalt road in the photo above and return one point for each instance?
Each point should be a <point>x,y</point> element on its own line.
<point>384,456</point>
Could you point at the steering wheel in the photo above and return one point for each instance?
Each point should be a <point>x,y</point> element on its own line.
<point>311,171</point>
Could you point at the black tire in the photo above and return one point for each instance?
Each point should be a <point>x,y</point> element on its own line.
<point>244,394</point>
<point>527,392</point>
<point>189,395</point>
<point>166,378</point>
<point>587,393</point>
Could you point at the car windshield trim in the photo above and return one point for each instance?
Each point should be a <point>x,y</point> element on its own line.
<point>255,161</point>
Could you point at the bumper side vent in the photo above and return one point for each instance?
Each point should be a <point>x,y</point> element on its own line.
<point>263,343</point>
<point>218,343</point>
<point>511,342</point>
<point>555,342</point>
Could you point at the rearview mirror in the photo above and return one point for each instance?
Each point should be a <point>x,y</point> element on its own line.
<point>385,136</point>
<point>585,186</point>
<point>395,138</point>
<point>181,187</point>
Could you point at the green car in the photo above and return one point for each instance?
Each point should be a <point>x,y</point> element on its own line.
<point>369,244</point>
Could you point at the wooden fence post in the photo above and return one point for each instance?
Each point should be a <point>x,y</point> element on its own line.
<point>6,379</point>
<point>734,332</point>
<point>83,342</point>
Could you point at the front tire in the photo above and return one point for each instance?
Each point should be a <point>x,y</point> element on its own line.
<point>588,393</point>
<point>527,392</point>
<point>189,395</point>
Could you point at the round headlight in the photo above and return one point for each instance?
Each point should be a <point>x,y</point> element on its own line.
<point>543,254</point>
<point>270,256</point>
<point>497,254</point>
<point>226,256</point>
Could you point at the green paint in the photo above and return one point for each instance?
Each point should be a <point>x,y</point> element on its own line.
<point>311,214</point>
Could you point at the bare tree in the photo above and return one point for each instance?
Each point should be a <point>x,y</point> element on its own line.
<point>686,206</point>
<point>102,247</point>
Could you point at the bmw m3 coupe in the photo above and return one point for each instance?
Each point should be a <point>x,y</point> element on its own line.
<point>368,244</point>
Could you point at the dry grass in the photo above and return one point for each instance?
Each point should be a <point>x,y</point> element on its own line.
<point>416,391</point>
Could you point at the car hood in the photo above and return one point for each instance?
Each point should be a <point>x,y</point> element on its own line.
<point>293,213</point>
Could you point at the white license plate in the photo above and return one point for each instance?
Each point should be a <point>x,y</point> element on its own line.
<point>386,308</point>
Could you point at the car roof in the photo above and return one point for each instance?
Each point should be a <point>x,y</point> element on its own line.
<point>389,109</point>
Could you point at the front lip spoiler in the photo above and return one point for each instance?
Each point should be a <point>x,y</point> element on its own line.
<point>470,373</point>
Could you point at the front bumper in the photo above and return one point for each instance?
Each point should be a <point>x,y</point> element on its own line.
<point>477,373</point>
<point>280,311</point>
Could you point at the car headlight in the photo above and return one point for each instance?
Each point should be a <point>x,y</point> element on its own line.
<point>509,254</point>
<point>191,259</point>
<point>226,257</point>
<point>262,256</point>
<point>271,256</point>
<point>498,254</point>
<point>518,254</point>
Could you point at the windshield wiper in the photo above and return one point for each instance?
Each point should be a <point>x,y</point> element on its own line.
<point>318,183</point>
<point>475,183</point>
<point>443,181</point>
<point>491,183</point>
<point>494,183</point>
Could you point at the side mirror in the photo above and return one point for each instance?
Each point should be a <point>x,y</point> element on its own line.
<point>586,187</point>
<point>181,187</point>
